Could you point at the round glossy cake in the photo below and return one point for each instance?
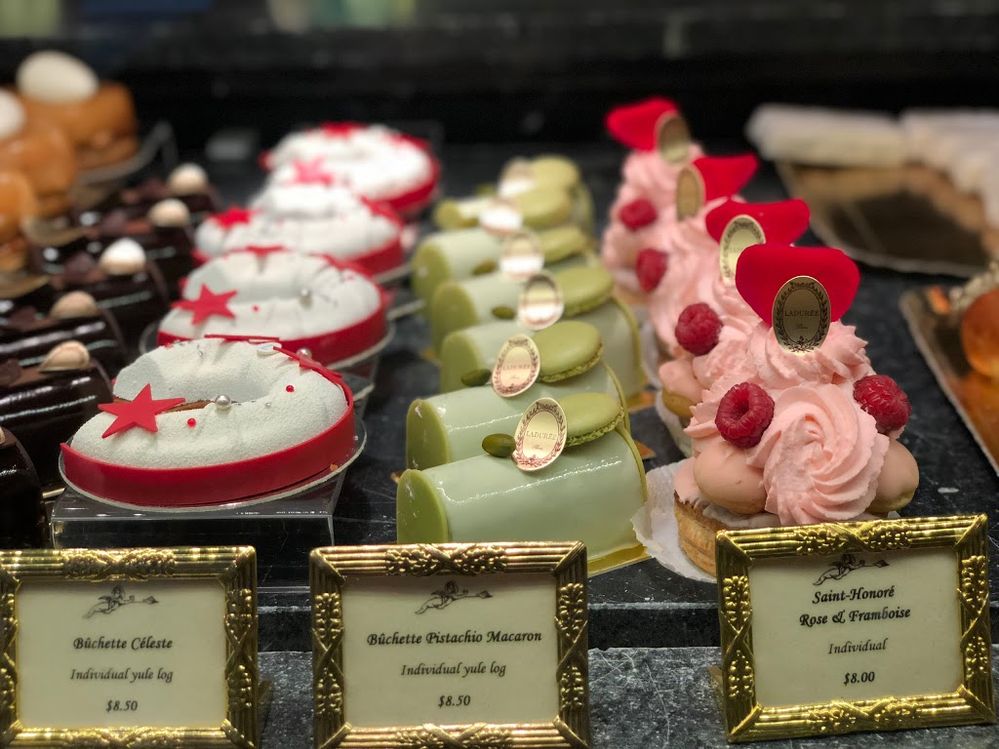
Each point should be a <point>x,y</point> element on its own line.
<point>212,421</point>
<point>311,218</point>
<point>373,160</point>
<point>305,301</point>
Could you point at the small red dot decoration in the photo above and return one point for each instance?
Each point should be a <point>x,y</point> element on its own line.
<point>192,422</point>
<point>290,388</point>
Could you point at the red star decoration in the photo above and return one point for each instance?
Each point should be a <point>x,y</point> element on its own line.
<point>263,250</point>
<point>307,362</point>
<point>311,173</point>
<point>233,216</point>
<point>140,412</point>
<point>208,304</point>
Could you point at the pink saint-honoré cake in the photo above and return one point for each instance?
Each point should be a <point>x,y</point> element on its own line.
<point>801,430</point>
<point>311,302</point>
<point>686,256</point>
<point>213,421</point>
<point>712,333</point>
<point>372,160</point>
<point>309,212</point>
<point>646,198</point>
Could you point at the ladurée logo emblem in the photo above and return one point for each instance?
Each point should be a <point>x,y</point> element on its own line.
<point>521,256</point>
<point>801,314</point>
<point>845,565</point>
<point>540,303</point>
<point>673,138</point>
<point>116,599</point>
<point>689,193</point>
<point>517,366</point>
<point>540,435</point>
<point>447,594</point>
<point>741,232</point>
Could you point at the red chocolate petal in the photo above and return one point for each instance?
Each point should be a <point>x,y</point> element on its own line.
<point>782,221</point>
<point>724,176</point>
<point>764,268</point>
<point>634,125</point>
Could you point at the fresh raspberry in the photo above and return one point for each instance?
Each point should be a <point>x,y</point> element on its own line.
<point>744,413</point>
<point>650,266</point>
<point>883,399</point>
<point>698,328</point>
<point>638,213</point>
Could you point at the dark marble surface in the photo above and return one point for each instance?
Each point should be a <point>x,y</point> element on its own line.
<point>643,605</point>
<point>639,699</point>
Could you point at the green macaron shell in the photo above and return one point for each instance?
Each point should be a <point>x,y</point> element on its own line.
<point>555,171</point>
<point>563,242</point>
<point>449,215</point>
<point>584,289</point>
<point>544,207</point>
<point>589,416</point>
<point>568,348</point>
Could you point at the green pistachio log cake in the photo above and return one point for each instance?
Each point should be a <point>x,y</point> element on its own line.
<point>533,177</point>
<point>451,426</point>
<point>589,493</point>
<point>464,253</point>
<point>468,332</point>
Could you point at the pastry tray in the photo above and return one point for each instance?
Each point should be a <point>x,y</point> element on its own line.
<point>909,219</point>
<point>974,396</point>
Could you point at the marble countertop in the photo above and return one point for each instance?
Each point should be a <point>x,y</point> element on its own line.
<point>640,698</point>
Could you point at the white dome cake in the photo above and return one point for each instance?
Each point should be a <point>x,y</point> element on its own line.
<point>373,160</point>
<point>308,218</point>
<point>213,421</point>
<point>304,301</point>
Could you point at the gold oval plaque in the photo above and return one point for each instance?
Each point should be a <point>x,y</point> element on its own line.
<point>517,366</point>
<point>673,138</point>
<point>741,232</point>
<point>801,314</point>
<point>521,256</point>
<point>689,193</point>
<point>540,436</point>
<point>500,217</point>
<point>540,302</point>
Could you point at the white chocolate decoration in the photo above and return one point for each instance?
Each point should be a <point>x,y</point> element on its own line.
<point>55,78</point>
<point>123,257</point>
<point>170,213</point>
<point>67,355</point>
<point>11,115</point>
<point>74,304</point>
<point>286,295</point>
<point>274,404</point>
<point>187,179</point>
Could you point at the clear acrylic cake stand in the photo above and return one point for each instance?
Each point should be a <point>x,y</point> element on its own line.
<point>283,526</point>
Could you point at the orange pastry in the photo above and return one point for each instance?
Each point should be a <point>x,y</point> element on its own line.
<point>97,117</point>
<point>41,152</point>
<point>17,202</point>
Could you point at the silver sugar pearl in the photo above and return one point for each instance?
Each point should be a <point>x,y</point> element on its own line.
<point>305,295</point>
<point>304,352</point>
<point>222,402</point>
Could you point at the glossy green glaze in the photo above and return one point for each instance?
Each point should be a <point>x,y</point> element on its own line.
<point>451,426</point>
<point>589,494</point>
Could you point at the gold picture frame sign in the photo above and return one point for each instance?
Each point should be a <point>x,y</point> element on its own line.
<point>971,702</point>
<point>234,568</point>
<point>331,570</point>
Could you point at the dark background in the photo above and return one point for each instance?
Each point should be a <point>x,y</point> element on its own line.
<point>512,70</point>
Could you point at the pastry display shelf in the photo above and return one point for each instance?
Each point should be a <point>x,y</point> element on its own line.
<point>643,605</point>
<point>640,698</point>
